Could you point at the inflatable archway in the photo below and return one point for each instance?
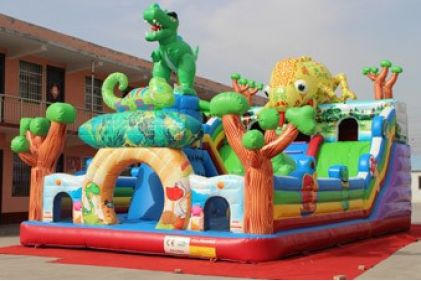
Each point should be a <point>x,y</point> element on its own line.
<point>171,166</point>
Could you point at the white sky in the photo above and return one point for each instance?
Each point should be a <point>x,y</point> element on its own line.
<point>250,36</point>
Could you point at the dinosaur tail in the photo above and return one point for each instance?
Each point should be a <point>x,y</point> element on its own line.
<point>108,95</point>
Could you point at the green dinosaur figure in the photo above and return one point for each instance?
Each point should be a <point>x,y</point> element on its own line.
<point>158,94</point>
<point>88,207</point>
<point>172,54</point>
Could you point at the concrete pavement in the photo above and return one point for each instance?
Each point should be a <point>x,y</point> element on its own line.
<point>405,263</point>
<point>29,267</point>
<point>9,230</point>
<point>416,213</point>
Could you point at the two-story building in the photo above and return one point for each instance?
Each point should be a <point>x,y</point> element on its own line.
<point>39,66</point>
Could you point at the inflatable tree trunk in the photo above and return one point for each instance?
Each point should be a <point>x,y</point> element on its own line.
<point>39,144</point>
<point>256,150</point>
<point>258,178</point>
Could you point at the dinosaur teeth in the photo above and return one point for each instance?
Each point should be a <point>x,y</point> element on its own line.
<point>155,27</point>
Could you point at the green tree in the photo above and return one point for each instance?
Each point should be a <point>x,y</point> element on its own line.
<point>383,89</point>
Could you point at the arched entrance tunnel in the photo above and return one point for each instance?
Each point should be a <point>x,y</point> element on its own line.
<point>348,130</point>
<point>217,214</point>
<point>172,202</point>
<point>62,208</point>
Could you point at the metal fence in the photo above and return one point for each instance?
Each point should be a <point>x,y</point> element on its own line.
<point>13,108</point>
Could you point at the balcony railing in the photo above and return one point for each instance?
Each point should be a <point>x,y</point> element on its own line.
<point>13,108</point>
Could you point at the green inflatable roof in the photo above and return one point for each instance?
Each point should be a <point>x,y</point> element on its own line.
<point>142,128</point>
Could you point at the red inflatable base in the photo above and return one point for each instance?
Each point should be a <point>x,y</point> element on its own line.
<point>263,248</point>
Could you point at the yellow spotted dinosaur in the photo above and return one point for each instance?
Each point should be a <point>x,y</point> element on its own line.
<point>302,81</point>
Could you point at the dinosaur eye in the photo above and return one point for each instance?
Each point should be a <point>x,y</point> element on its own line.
<point>301,86</point>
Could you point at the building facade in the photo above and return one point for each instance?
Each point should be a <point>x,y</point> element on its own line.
<point>39,66</point>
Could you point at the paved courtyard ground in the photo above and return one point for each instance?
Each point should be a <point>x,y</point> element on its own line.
<point>28,267</point>
<point>404,264</point>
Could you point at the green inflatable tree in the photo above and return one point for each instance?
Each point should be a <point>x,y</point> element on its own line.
<point>248,88</point>
<point>255,151</point>
<point>383,89</point>
<point>39,144</point>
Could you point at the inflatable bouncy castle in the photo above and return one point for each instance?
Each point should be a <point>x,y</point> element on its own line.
<point>224,179</point>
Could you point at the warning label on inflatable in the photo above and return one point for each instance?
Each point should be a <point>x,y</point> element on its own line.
<point>202,247</point>
<point>176,245</point>
<point>180,245</point>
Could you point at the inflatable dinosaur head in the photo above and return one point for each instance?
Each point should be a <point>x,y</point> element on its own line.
<point>291,84</point>
<point>163,24</point>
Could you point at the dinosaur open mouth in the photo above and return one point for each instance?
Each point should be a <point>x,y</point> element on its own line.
<point>156,26</point>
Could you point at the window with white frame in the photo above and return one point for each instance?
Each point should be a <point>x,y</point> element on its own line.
<point>96,100</point>
<point>30,80</point>
<point>21,177</point>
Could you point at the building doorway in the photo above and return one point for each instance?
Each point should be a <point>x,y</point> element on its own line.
<point>55,84</point>
<point>217,214</point>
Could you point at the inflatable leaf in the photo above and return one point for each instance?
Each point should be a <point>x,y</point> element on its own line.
<point>19,144</point>
<point>61,113</point>
<point>385,63</point>
<point>24,125</point>
<point>39,126</point>
<point>268,118</point>
<point>253,140</point>
<point>229,103</point>
<point>302,118</point>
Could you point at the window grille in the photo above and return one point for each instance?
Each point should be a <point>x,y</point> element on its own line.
<point>30,80</point>
<point>21,177</point>
<point>97,99</point>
